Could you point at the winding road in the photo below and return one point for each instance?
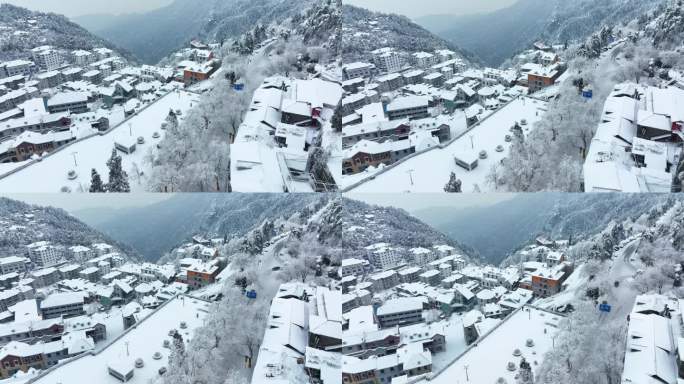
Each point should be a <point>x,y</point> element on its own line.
<point>622,297</point>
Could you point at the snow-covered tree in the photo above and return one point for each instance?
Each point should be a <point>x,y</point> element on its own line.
<point>96,185</point>
<point>587,350</point>
<point>454,185</point>
<point>118,178</point>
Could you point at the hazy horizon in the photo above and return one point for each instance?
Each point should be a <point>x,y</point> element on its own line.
<point>416,202</point>
<point>76,8</point>
<point>414,8</point>
<point>107,201</point>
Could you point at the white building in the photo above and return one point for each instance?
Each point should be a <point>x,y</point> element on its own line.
<point>382,255</point>
<point>421,256</point>
<point>80,253</point>
<point>423,59</point>
<point>102,249</point>
<point>82,58</point>
<point>387,60</point>
<point>46,57</point>
<point>44,254</point>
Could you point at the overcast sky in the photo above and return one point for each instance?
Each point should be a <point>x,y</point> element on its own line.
<point>415,202</point>
<point>417,8</point>
<point>73,8</point>
<point>77,202</point>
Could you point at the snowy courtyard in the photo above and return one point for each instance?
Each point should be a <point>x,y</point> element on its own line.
<point>52,173</point>
<point>429,172</point>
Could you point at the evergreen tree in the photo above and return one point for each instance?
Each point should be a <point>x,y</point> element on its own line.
<point>118,178</point>
<point>96,185</point>
<point>526,376</point>
<point>454,185</point>
<point>172,121</point>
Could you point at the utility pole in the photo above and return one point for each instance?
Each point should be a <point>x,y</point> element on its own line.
<point>410,172</point>
<point>74,155</point>
<point>466,371</point>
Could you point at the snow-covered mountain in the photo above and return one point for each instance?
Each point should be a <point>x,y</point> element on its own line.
<point>497,36</point>
<point>169,28</point>
<point>366,224</point>
<point>22,224</point>
<point>365,31</point>
<point>664,25</point>
<point>155,229</point>
<point>22,30</point>
<point>519,221</point>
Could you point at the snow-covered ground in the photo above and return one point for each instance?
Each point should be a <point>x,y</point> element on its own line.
<point>141,341</point>
<point>486,361</point>
<point>50,174</point>
<point>429,172</point>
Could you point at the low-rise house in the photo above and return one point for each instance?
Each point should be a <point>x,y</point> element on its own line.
<point>352,267</point>
<point>197,72</point>
<point>30,143</point>
<point>13,264</point>
<point>45,277</point>
<point>41,124</point>
<point>200,274</point>
<point>73,102</point>
<point>431,277</point>
<point>376,131</point>
<point>384,280</point>
<point>357,70</point>
<point>11,296</point>
<point>411,107</point>
<point>366,154</point>
<point>91,274</point>
<point>17,356</point>
<point>67,304</point>
<point>402,311</point>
